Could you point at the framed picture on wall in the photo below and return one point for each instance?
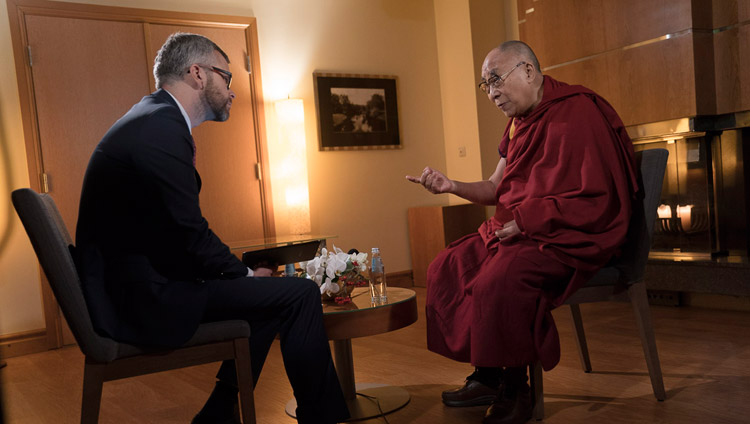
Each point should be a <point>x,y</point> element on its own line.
<point>356,112</point>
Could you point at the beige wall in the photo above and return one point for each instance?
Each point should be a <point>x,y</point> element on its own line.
<point>361,196</point>
<point>489,29</point>
<point>455,64</point>
<point>20,294</point>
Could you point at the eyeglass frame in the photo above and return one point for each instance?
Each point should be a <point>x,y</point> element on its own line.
<point>225,75</point>
<point>493,81</point>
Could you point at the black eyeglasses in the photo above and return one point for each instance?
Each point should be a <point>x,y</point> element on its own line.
<point>225,75</point>
<point>497,81</point>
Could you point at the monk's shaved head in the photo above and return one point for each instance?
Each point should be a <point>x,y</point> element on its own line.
<point>521,50</point>
<point>511,78</point>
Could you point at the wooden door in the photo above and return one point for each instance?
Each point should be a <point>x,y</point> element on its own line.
<point>81,67</point>
<point>82,84</point>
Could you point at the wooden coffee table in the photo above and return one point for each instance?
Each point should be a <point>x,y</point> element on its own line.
<point>359,319</point>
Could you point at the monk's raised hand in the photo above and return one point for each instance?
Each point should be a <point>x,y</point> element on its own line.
<point>433,180</point>
<point>509,229</point>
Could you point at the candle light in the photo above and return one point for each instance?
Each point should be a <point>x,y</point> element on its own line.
<point>685,215</point>
<point>664,211</point>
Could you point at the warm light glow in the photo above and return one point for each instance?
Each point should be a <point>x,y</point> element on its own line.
<point>290,112</point>
<point>664,211</point>
<point>288,158</point>
<point>297,196</point>
<point>685,215</point>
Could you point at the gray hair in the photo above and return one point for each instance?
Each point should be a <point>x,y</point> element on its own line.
<point>179,52</point>
<point>521,49</point>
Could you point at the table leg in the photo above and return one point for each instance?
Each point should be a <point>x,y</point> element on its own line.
<point>365,400</point>
<point>344,362</point>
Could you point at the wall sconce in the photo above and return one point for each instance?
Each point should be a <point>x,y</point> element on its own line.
<point>288,157</point>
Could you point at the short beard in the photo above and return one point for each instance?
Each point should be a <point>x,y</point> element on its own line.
<point>217,106</point>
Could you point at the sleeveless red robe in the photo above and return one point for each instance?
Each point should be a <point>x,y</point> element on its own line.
<point>568,182</point>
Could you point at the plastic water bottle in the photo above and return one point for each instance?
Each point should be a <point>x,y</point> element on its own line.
<point>378,287</point>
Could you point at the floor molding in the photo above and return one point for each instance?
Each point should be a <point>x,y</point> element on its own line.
<point>19,344</point>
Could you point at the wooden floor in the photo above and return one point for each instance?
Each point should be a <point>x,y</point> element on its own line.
<point>705,358</point>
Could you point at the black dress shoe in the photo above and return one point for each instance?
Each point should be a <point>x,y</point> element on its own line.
<point>511,408</point>
<point>472,393</point>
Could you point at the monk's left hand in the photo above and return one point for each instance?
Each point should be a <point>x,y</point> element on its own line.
<point>509,229</point>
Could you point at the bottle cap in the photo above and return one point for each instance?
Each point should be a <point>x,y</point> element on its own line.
<point>375,250</point>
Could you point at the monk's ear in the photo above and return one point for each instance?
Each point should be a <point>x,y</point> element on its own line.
<point>529,70</point>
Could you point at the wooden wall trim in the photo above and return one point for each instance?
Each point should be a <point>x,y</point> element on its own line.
<point>23,343</point>
<point>400,279</point>
<point>126,14</point>
<point>256,88</point>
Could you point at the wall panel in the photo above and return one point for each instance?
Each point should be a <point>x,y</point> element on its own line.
<point>704,76</point>
<point>593,73</point>
<point>743,65</point>
<point>629,22</point>
<point>726,65</point>
<point>665,59</point>
<point>724,13</point>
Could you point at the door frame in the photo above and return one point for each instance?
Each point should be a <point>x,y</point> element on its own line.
<point>17,11</point>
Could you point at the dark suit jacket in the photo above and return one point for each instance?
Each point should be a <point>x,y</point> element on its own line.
<point>144,250</point>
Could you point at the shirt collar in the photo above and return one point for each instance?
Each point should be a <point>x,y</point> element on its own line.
<point>184,113</point>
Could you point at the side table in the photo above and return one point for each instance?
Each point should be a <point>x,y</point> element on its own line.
<point>359,319</point>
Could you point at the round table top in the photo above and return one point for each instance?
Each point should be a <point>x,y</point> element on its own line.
<point>360,318</point>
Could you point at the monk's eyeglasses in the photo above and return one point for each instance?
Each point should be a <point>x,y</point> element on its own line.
<point>497,81</point>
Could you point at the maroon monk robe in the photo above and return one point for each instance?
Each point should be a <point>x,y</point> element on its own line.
<point>568,183</point>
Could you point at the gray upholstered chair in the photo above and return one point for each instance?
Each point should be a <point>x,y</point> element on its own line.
<point>106,359</point>
<point>623,278</point>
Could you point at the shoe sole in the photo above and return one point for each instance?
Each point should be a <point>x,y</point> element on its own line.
<point>477,401</point>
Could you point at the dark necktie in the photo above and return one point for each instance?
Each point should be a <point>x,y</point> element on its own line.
<point>192,144</point>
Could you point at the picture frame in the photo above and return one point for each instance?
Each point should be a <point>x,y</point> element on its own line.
<point>356,111</point>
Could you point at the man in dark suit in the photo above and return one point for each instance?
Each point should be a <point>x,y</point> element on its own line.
<point>151,267</point>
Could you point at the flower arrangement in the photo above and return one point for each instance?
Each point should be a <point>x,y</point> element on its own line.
<point>336,273</point>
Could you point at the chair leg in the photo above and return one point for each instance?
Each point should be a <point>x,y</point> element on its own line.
<point>583,348</point>
<point>244,380</point>
<point>537,390</point>
<point>639,299</point>
<point>93,379</point>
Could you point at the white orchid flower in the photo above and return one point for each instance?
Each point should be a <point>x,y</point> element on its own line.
<point>336,265</point>
<point>314,270</point>
<point>359,260</point>
<point>311,267</point>
<point>329,287</point>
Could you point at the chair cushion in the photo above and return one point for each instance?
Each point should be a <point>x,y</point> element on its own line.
<point>607,276</point>
<point>206,333</point>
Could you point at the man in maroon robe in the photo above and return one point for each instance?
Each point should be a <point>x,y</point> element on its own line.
<point>562,190</point>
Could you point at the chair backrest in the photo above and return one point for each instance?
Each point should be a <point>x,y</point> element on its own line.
<point>651,165</point>
<point>51,242</point>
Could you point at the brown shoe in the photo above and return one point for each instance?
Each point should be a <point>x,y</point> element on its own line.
<point>472,393</point>
<point>510,408</point>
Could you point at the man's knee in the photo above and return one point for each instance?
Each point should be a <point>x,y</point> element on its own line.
<point>305,288</point>
<point>311,288</point>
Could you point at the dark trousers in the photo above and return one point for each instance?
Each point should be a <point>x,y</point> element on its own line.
<point>291,308</point>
